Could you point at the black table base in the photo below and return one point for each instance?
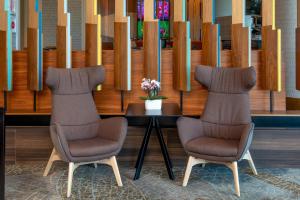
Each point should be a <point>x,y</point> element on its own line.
<point>153,122</point>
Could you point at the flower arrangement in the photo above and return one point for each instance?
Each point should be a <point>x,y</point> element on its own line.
<point>151,87</point>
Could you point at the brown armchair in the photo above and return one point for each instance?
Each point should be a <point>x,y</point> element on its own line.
<point>224,132</point>
<point>78,134</point>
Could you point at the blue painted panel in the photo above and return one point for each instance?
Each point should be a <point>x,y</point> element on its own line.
<point>9,48</point>
<point>188,55</point>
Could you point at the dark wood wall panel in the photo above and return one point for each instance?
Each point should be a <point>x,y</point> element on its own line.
<point>271,43</point>
<point>20,98</point>
<point>181,72</point>
<point>240,45</point>
<point>91,44</point>
<point>61,46</point>
<point>3,61</point>
<point>210,38</point>
<point>152,50</point>
<point>32,38</point>
<point>121,57</point>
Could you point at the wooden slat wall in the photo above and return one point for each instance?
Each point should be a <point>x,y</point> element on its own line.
<point>108,100</point>
<point>271,47</point>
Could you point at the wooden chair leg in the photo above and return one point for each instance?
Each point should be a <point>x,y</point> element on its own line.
<point>54,156</point>
<point>234,168</point>
<point>250,161</point>
<point>188,171</point>
<point>114,164</point>
<point>70,178</point>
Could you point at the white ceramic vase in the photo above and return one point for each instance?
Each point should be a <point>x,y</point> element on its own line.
<point>153,104</point>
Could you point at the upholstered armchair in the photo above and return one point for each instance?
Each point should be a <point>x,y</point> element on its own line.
<point>78,134</point>
<point>224,132</point>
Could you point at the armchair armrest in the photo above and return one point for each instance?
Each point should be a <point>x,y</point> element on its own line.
<point>113,128</point>
<point>188,129</point>
<point>246,140</point>
<point>60,142</point>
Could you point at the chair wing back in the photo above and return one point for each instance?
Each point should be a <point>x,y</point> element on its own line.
<point>227,108</point>
<point>73,106</point>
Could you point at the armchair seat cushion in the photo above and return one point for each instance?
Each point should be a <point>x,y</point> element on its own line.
<point>213,146</point>
<point>92,147</point>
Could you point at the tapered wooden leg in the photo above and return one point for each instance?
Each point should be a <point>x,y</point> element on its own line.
<point>70,178</point>
<point>114,164</point>
<point>234,168</point>
<point>54,156</point>
<point>250,161</point>
<point>188,171</point>
<point>191,162</point>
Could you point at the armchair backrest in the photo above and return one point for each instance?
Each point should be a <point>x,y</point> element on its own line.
<point>73,106</point>
<point>227,108</point>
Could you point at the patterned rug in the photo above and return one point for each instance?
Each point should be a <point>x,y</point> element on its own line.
<point>25,181</point>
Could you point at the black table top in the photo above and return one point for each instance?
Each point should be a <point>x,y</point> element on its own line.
<point>167,110</point>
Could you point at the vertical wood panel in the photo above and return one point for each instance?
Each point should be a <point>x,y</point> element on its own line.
<point>122,49</point>
<point>268,13</point>
<point>238,11</point>
<point>182,56</point>
<point>152,50</point>
<point>5,47</point>
<point>149,10</point>
<point>211,44</point>
<point>179,10</point>
<point>240,36</point>
<point>63,35</point>
<point>271,47</point>
<point>194,16</point>
<point>240,45</point>
<point>35,46</point>
<point>208,7</point>
<point>93,40</point>
<point>91,32</point>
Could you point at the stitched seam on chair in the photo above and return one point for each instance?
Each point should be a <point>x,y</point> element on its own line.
<point>71,94</point>
<point>80,124</point>
<point>241,93</point>
<point>225,124</point>
<point>212,155</point>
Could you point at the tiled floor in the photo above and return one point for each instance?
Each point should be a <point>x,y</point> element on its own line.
<point>25,181</point>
